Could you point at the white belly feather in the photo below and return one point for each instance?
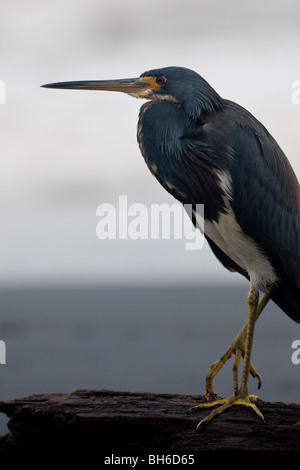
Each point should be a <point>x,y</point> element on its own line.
<point>241,248</point>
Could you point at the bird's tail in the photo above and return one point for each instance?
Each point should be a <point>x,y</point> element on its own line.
<point>287,297</point>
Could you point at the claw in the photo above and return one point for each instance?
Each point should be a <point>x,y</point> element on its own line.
<point>241,347</point>
<point>239,399</point>
<point>236,348</point>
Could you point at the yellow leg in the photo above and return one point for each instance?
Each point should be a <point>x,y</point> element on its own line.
<point>237,347</point>
<point>241,395</point>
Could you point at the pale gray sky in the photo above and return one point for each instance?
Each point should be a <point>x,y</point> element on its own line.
<point>65,152</point>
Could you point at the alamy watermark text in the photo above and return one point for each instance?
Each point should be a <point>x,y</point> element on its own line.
<point>160,221</point>
<point>2,352</point>
<point>296,92</point>
<point>2,92</point>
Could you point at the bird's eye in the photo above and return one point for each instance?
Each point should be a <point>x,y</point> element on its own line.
<point>160,80</point>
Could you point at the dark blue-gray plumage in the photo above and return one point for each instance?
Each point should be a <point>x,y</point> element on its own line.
<point>204,149</point>
<point>203,135</point>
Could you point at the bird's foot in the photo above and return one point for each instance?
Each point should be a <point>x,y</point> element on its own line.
<point>240,399</point>
<point>238,349</point>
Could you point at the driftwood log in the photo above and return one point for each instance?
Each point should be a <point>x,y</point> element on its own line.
<point>116,424</point>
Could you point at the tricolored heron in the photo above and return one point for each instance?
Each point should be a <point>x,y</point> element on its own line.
<point>204,149</point>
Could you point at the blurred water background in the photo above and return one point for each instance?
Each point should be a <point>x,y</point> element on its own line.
<point>77,312</point>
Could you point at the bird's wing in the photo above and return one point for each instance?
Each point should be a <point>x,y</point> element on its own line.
<point>266,195</point>
<point>264,191</point>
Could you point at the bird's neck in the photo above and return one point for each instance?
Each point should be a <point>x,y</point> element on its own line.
<point>202,101</point>
<point>177,160</point>
<point>160,127</point>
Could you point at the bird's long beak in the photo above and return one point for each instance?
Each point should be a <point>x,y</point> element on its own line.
<point>133,86</point>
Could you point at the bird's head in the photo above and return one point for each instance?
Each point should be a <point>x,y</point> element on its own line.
<point>178,85</point>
